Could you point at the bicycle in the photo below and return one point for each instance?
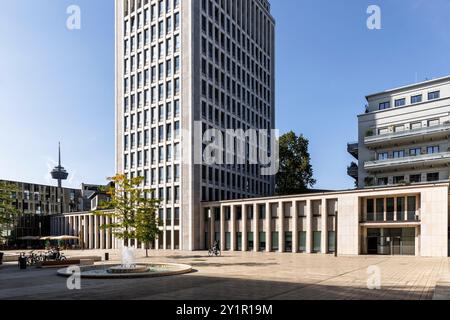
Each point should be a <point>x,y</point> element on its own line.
<point>214,252</point>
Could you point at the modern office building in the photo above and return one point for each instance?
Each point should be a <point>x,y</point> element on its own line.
<point>37,203</point>
<point>404,136</point>
<point>180,64</point>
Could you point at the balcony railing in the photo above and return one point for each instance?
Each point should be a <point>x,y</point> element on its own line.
<point>353,149</point>
<point>352,171</point>
<point>442,158</point>
<point>435,132</point>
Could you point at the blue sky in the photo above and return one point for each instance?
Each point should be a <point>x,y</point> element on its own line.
<point>57,84</point>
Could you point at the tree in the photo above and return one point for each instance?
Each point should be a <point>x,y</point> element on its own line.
<point>8,211</point>
<point>131,210</point>
<point>295,174</point>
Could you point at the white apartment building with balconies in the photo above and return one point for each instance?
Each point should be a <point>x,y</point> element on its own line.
<point>404,136</point>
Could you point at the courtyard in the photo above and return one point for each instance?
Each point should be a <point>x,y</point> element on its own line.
<point>241,276</point>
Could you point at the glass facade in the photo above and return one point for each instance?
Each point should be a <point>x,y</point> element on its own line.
<point>317,241</point>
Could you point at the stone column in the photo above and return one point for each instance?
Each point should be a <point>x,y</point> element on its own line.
<point>96,239</point>
<point>324,236</point>
<point>233,228</point>
<point>255,228</point>
<point>268,227</point>
<point>308,227</point>
<point>91,231</point>
<point>244,228</point>
<point>417,241</point>
<point>294,227</point>
<point>222,228</point>
<point>108,234</point>
<point>85,232</point>
<point>281,228</point>
<point>102,232</point>
<point>202,229</point>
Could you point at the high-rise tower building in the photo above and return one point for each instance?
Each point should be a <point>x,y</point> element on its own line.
<point>181,64</point>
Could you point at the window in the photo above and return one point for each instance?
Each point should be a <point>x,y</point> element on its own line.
<point>383,181</point>
<point>433,149</point>
<point>416,99</point>
<point>317,239</point>
<point>390,209</point>
<point>382,156</point>
<point>384,105</point>
<point>416,125</point>
<point>399,179</point>
<point>434,95</point>
<point>433,176</point>
<point>379,210</point>
<point>415,178</point>
<point>400,102</point>
<point>433,123</point>
<point>400,209</point>
<point>399,154</point>
<point>370,210</point>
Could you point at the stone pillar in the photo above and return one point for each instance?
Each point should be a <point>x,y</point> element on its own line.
<point>255,228</point>
<point>233,228</point>
<point>96,239</point>
<point>212,227</point>
<point>91,231</point>
<point>281,227</point>
<point>108,234</point>
<point>85,232</point>
<point>244,228</point>
<point>222,228</point>
<point>102,232</point>
<point>324,235</point>
<point>308,227</point>
<point>268,227</point>
<point>294,227</point>
<point>202,229</point>
<point>417,242</point>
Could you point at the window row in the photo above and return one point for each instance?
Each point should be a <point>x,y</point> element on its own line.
<point>413,100</point>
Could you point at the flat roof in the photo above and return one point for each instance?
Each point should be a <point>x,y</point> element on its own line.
<point>332,193</point>
<point>410,86</point>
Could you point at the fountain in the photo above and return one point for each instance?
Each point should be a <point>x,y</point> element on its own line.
<point>128,263</point>
<point>129,268</point>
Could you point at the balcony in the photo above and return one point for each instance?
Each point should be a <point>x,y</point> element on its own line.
<point>434,133</point>
<point>413,162</point>
<point>353,149</point>
<point>352,171</point>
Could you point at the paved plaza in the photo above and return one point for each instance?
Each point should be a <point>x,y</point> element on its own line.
<point>241,276</point>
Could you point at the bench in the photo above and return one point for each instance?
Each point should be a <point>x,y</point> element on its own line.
<point>66,263</point>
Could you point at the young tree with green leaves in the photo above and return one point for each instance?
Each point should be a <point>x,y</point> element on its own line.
<point>295,174</point>
<point>8,211</point>
<point>131,210</point>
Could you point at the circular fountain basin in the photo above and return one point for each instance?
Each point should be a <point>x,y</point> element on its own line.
<point>116,271</point>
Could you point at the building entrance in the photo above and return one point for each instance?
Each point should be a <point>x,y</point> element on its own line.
<point>398,242</point>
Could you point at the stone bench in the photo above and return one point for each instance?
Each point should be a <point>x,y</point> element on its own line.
<point>94,258</point>
<point>11,258</point>
<point>66,263</point>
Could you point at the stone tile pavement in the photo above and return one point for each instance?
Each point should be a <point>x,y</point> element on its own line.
<point>243,276</point>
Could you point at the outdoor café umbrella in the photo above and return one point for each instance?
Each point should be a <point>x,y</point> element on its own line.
<point>65,238</point>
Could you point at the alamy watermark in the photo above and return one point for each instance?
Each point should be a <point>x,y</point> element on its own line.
<point>73,21</point>
<point>374,279</point>
<point>237,147</point>
<point>74,280</point>
<point>374,20</point>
